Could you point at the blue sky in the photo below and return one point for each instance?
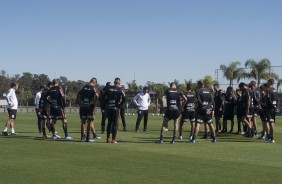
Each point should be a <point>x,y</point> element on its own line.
<point>158,40</point>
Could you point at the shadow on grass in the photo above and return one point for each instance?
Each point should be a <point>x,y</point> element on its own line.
<point>17,137</point>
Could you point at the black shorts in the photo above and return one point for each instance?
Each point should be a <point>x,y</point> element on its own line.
<point>57,113</point>
<point>87,113</point>
<point>271,116</point>
<point>203,118</point>
<point>44,114</point>
<point>250,113</point>
<point>12,113</point>
<point>188,115</point>
<point>172,114</point>
<point>218,113</point>
<point>228,115</point>
<point>263,115</point>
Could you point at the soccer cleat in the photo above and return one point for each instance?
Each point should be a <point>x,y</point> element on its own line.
<point>166,130</point>
<point>213,140</point>
<point>172,142</point>
<point>14,133</point>
<point>180,137</point>
<point>145,130</point>
<point>68,138</point>
<point>114,141</point>
<point>97,138</point>
<point>159,142</point>
<point>5,133</point>
<point>191,142</point>
<point>56,137</point>
<point>83,139</point>
<point>190,138</point>
<point>91,140</point>
<point>271,141</point>
<point>45,136</point>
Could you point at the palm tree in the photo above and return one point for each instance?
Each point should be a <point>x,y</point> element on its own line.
<point>132,86</point>
<point>259,70</point>
<point>232,72</point>
<point>158,88</point>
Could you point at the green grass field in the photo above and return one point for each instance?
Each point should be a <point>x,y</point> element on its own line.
<point>26,158</point>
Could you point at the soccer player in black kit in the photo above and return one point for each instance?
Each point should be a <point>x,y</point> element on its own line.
<point>173,111</point>
<point>56,99</point>
<point>87,98</point>
<point>229,109</point>
<point>188,112</point>
<point>102,102</point>
<point>254,106</point>
<point>246,102</point>
<point>263,111</point>
<point>122,111</point>
<point>239,111</point>
<point>114,98</point>
<point>44,109</point>
<point>204,111</point>
<point>218,107</point>
<point>272,107</point>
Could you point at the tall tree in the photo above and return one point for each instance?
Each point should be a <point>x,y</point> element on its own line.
<point>259,70</point>
<point>132,86</point>
<point>26,88</point>
<point>38,80</point>
<point>232,72</point>
<point>4,81</point>
<point>208,81</point>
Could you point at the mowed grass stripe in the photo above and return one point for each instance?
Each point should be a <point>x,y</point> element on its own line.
<point>27,158</point>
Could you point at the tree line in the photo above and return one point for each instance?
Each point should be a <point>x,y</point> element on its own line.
<point>254,70</point>
<point>30,83</point>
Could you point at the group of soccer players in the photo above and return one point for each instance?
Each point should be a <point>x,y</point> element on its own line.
<point>198,107</point>
<point>248,103</point>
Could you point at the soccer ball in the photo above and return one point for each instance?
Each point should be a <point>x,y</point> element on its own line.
<point>153,114</point>
<point>158,114</point>
<point>133,114</point>
<point>126,114</point>
<point>129,114</point>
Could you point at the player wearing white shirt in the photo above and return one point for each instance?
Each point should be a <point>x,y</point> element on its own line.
<point>142,100</point>
<point>36,103</point>
<point>12,109</point>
